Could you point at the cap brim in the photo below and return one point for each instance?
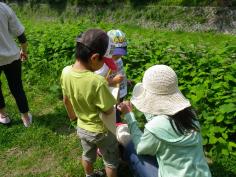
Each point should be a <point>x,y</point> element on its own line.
<point>120,51</point>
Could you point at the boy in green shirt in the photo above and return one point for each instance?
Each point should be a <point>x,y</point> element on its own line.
<point>85,96</point>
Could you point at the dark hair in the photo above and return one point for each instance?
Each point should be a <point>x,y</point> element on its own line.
<point>89,45</point>
<point>183,121</point>
<point>82,52</point>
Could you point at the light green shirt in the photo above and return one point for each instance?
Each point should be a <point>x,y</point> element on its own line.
<point>89,95</point>
<point>177,155</point>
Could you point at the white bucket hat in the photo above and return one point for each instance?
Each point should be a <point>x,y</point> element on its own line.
<point>158,94</point>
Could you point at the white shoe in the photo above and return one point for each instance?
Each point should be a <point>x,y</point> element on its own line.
<point>4,119</point>
<point>28,123</point>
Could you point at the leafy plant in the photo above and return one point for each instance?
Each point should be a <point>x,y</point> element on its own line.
<point>206,71</point>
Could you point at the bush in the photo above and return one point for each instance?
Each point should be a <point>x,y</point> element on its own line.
<point>133,2</point>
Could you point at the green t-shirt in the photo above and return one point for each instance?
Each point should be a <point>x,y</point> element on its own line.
<point>89,95</point>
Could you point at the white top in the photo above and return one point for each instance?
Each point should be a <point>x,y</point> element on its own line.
<point>10,27</point>
<point>120,70</point>
<point>103,71</point>
<point>123,84</point>
<point>109,120</point>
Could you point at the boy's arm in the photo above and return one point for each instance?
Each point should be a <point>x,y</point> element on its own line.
<point>109,111</point>
<point>105,100</point>
<point>69,108</point>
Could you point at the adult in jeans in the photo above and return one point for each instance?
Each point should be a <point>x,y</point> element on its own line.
<point>172,132</point>
<point>10,62</point>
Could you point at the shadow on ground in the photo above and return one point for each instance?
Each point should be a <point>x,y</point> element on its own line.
<point>57,122</point>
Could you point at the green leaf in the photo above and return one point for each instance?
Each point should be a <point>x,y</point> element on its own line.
<point>232,144</point>
<point>234,127</point>
<point>230,77</point>
<point>212,140</point>
<point>225,136</point>
<point>205,141</point>
<point>225,152</point>
<point>227,108</point>
<point>219,118</point>
<point>221,140</point>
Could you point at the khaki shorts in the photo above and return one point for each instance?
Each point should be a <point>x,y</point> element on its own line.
<point>106,142</point>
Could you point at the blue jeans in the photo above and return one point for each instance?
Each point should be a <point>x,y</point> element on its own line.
<point>140,165</point>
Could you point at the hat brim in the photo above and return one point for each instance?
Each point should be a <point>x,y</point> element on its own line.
<point>120,51</point>
<point>155,104</point>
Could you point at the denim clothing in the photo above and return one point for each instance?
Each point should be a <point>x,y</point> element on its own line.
<point>176,154</point>
<point>140,165</point>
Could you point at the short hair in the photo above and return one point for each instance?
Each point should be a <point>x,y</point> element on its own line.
<point>90,42</point>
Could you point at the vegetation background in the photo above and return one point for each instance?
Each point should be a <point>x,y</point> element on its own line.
<point>132,2</point>
<point>205,62</point>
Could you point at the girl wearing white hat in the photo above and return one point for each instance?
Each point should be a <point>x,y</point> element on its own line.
<point>172,132</point>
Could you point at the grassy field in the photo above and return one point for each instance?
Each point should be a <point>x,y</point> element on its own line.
<point>50,146</point>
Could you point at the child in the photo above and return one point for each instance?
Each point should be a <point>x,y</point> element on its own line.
<point>118,38</point>
<point>172,132</point>
<point>86,94</point>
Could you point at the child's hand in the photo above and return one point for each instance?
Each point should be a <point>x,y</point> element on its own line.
<point>125,107</point>
<point>118,78</point>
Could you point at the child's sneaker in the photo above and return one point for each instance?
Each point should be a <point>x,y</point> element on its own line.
<point>27,123</point>
<point>100,173</point>
<point>4,119</point>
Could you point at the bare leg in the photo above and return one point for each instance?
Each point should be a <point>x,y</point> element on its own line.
<point>111,172</point>
<point>88,167</point>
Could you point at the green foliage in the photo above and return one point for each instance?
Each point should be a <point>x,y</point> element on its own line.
<point>206,74</point>
<point>91,2</point>
<point>205,65</point>
<point>58,5</point>
<point>206,77</point>
<point>135,3</point>
<point>223,162</point>
<point>52,47</point>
